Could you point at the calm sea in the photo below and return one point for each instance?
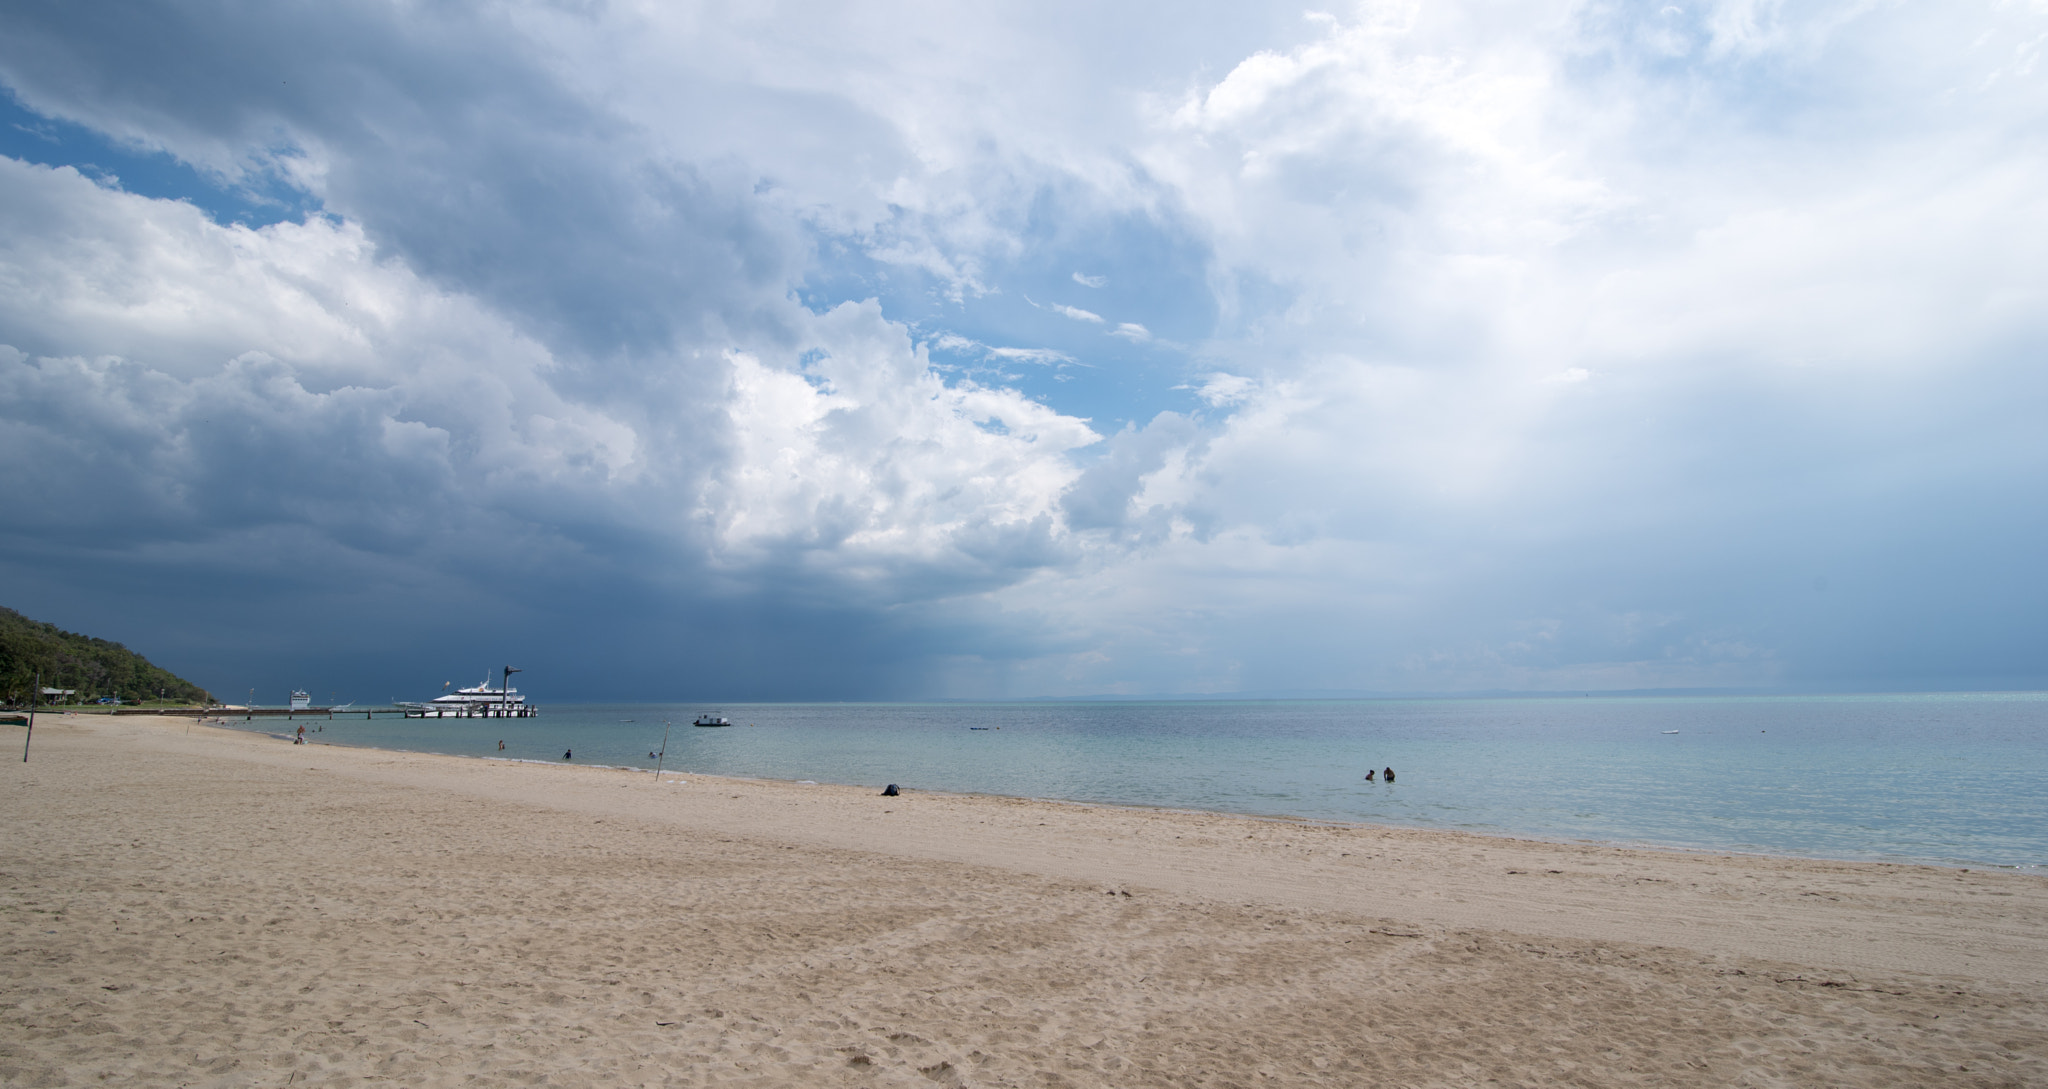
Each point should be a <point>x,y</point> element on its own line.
<point>1948,778</point>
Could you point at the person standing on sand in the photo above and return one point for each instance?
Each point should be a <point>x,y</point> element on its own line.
<point>301,739</point>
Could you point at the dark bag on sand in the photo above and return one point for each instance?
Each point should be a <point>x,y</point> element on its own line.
<point>890,791</point>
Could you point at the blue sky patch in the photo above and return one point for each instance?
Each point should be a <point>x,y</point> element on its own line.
<point>48,141</point>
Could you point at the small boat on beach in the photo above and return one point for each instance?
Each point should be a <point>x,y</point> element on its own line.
<point>712,720</point>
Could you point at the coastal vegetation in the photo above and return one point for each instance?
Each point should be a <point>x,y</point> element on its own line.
<point>92,669</point>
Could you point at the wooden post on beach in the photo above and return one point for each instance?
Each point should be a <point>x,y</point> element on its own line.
<point>664,750</point>
<point>32,698</point>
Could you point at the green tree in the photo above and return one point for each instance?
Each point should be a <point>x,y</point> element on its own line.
<point>95,667</point>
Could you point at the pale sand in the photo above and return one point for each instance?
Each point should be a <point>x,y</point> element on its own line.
<point>227,909</point>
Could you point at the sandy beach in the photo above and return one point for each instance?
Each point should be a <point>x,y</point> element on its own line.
<point>193,906</point>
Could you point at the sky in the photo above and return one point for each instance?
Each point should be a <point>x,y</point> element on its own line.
<point>868,350</point>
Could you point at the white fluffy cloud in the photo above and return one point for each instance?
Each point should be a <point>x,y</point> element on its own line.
<point>867,463</point>
<point>178,334</point>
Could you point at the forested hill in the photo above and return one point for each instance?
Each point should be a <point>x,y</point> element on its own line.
<point>94,667</point>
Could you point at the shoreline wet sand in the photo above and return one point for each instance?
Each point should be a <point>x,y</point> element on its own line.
<point>222,908</point>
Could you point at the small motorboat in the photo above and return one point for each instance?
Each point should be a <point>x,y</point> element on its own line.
<point>712,720</point>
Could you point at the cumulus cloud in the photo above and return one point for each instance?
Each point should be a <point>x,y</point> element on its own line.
<point>173,311</point>
<point>864,463</point>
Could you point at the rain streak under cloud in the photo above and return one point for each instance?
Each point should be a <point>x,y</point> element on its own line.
<point>896,350</point>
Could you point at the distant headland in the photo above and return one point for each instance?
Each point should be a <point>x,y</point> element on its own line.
<point>81,669</point>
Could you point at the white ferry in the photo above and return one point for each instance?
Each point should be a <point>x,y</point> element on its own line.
<point>301,700</point>
<point>483,701</point>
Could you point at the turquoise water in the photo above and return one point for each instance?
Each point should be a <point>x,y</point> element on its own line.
<point>1947,778</point>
